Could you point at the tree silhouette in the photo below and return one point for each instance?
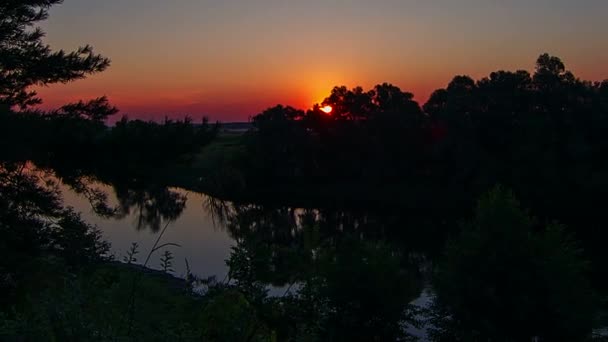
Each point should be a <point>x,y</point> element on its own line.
<point>26,61</point>
<point>348,279</point>
<point>503,278</point>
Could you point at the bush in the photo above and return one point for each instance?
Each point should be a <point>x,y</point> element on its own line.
<point>503,279</point>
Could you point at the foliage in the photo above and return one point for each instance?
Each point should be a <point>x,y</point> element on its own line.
<point>166,262</point>
<point>503,278</point>
<point>290,145</point>
<point>26,61</point>
<point>334,285</point>
<point>131,258</point>
<point>347,276</point>
<point>91,307</point>
<point>55,278</point>
<point>230,317</point>
<point>540,134</point>
<point>37,231</point>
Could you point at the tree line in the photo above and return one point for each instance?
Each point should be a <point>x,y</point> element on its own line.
<point>541,134</point>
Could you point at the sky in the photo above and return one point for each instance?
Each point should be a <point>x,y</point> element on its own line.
<point>229,60</point>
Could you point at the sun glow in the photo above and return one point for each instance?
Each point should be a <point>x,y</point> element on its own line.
<point>327,109</point>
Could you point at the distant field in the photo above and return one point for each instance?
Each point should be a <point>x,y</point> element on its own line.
<point>224,146</point>
<point>235,127</point>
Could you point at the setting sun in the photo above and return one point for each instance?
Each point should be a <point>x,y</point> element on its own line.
<point>327,109</point>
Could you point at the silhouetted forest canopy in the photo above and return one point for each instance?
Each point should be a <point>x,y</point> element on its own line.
<point>540,134</point>
<point>356,212</point>
<point>536,133</point>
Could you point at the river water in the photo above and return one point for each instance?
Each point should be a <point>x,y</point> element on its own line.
<point>199,233</point>
<point>204,232</point>
<point>203,241</point>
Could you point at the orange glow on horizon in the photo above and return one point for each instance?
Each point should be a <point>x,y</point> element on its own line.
<point>158,73</point>
<point>327,109</point>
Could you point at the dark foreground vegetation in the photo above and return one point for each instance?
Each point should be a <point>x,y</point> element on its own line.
<point>405,198</point>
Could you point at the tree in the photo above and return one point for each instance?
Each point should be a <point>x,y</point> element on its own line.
<point>391,99</point>
<point>26,61</point>
<point>281,143</point>
<point>504,279</point>
<point>347,104</point>
<point>550,71</point>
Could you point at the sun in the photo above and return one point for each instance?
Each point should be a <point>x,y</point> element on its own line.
<point>327,109</point>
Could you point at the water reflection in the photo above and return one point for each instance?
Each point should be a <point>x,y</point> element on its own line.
<point>348,272</point>
<point>203,242</point>
<point>344,275</point>
<point>150,205</point>
<point>343,269</point>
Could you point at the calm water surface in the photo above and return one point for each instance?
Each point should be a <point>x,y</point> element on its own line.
<point>203,238</point>
<point>206,241</point>
<point>203,241</point>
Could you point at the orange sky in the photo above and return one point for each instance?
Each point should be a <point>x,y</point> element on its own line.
<point>231,59</point>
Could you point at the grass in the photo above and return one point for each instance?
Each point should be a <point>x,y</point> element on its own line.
<point>209,166</point>
<point>94,306</point>
<point>224,146</point>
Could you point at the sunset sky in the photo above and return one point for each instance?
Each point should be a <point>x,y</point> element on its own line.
<point>231,59</point>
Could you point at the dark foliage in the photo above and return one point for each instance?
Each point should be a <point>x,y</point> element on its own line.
<point>26,61</point>
<point>505,279</point>
<point>39,234</point>
<point>348,277</point>
<point>540,134</point>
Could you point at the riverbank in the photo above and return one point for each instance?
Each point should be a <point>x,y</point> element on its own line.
<point>217,170</point>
